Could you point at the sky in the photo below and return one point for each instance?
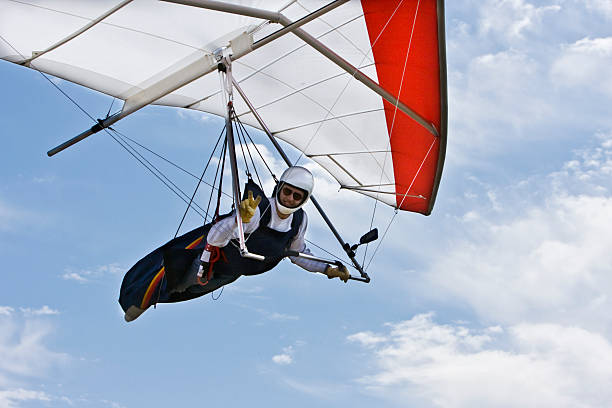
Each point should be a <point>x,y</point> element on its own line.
<point>500,298</point>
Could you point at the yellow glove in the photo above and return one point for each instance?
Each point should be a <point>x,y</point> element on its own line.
<point>248,206</point>
<point>337,272</point>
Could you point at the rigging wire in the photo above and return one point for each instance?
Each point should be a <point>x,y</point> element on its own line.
<point>110,107</point>
<point>159,174</point>
<point>242,135</point>
<point>133,152</point>
<point>222,165</point>
<point>348,262</point>
<point>258,152</point>
<point>405,195</point>
<point>50,81</point>
<point>246,164</point>
<point>143,162</point>
<point>169,161</point>
<point>222,154</point>
<point>198,186</point>
<point>382,238</point>
<point>209,200</point>
<point>252,161</point>
<point>399,92</point>
<point>402,202</point>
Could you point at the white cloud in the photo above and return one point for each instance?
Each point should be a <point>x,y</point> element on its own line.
<point>602,6</point>
<point>591,169</point>
<point>87,275</point>
<point>282,359</point>
<point>553,259</point>
<point>367,338</point>
<point>6,310</point>
<point>427,364</point>
<point>511,18</point>
<point>585,63</point>
<point>516,68</point>
<point>12,398</point>
<point>516,81</point>
<point>534,256</point>
<point>44,179</point>
<point>22,345</point>
<point>113,269</point>
<point>524,77</point>
<point>43,311</point>
<point>540,252</point>
<point>282,316</point>
<point>74,276</point>
<point>285,357</point>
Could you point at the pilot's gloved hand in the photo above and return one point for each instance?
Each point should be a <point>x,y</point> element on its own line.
<point>248,206</point>
<point>337,272</point>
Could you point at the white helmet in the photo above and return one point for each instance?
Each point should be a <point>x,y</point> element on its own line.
<point>297,177</point>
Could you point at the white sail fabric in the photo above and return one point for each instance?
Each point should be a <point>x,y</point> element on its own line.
<point>304,98</point>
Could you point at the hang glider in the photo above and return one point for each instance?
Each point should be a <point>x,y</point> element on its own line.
<point>357,86</point>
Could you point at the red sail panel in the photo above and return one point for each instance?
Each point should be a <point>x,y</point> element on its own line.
<point>407,63</point>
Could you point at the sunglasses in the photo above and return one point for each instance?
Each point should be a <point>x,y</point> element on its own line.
<point>297,196</point>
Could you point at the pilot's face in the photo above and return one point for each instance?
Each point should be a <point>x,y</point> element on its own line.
<point>290,196</point>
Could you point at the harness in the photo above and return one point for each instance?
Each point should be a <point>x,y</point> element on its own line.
<point>143,283</point>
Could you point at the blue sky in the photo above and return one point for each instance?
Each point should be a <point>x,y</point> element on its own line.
<point>500,298</point>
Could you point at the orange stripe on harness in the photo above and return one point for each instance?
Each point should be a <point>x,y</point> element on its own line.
<point>195,243</point>
<point>149,293</point>
<point>158,277</point>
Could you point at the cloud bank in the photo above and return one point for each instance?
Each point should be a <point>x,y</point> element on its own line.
<point>422,363</point>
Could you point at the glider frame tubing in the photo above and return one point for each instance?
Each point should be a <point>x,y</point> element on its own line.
<point>225,72</point>
<point>240,46</point>
<point>225,67</point>
<point>345,246</point>
<point>228,82</point>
